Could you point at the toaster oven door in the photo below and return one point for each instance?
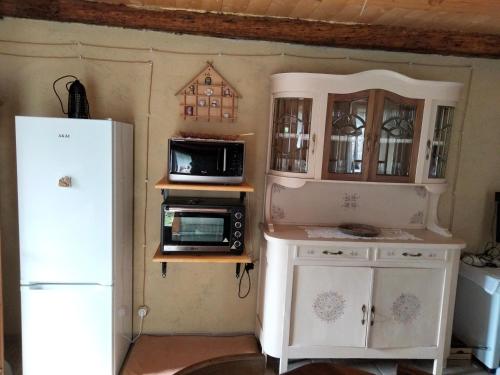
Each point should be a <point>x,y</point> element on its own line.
<point>196,230</point>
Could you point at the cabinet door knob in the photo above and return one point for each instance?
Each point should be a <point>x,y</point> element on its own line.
<point>372,313</point>
<point>412,255</point>
<point>313,142</point>
<point>326,252</point>
<point>428,152</point>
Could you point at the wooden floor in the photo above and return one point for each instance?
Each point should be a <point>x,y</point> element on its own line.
<point>376,367</point>
<point>382,367</point>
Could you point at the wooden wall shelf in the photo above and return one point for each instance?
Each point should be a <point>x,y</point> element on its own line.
<point>204,258</point>
<point>244,258</point>
<point>165,183</point>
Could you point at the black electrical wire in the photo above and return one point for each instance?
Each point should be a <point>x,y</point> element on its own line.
<point>489,257</point>
<point>54,88</point>
<point>246,269</point>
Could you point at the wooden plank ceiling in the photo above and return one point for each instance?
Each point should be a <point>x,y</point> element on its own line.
<point>479,16</point>
<point>447,27</point>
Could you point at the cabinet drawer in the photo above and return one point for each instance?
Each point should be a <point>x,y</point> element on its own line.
<point>413,254</point>
<point>333,252</point>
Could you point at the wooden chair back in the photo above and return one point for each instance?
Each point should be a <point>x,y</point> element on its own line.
<point>405,370</point>
<point>325,368</point>
<point>244,364</point>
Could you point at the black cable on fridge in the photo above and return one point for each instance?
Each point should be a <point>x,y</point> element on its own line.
<point>55,91</point>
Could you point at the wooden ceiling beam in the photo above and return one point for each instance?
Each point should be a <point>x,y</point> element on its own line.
<point>357,36</point>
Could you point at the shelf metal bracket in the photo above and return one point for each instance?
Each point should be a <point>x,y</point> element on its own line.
<point>247,267</point>
<point>163,269</point>
<point>164,193</point>
<point>238,270</point>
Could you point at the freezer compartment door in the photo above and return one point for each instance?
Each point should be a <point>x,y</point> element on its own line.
<point>64,173</point>
<point>67,329</point>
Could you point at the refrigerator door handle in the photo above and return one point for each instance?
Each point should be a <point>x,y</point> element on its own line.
<point>57,286</point>
<point>36,287</point>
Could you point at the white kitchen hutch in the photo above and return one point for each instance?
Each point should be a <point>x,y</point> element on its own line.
<point>369,148</point>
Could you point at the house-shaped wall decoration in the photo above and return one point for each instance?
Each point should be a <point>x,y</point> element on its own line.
<point>208,96</point>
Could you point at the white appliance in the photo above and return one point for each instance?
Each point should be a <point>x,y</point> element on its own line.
<point>477,313</point>
<point>75,196</point>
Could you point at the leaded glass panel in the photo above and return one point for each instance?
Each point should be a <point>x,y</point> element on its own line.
<point>396,138</point>
<point>440,143</point>
<point>347,136</point>
<point>291,132</point>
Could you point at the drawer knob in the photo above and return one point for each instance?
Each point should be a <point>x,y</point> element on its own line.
<point>326,252</point>
<point>412,255</point>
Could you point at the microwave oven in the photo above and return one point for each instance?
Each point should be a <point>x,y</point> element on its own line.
<point>202,225</point>
<point>206,161</point>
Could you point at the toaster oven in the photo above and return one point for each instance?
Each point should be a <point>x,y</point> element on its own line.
<point>202,225</point>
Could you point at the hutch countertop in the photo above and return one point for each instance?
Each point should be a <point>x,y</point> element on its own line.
<point>297,234</point>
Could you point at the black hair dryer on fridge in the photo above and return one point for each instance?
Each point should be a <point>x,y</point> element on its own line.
<point>78,105</point>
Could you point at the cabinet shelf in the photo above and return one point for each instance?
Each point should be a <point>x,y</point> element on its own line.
<point>165,183</point>
<point>159,257</point>
<point>305,137</point>
<point>205,95</point>
<point>195,105</point>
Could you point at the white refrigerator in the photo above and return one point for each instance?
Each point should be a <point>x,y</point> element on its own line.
<point>75,193</point>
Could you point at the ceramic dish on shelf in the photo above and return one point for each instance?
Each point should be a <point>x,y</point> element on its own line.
<point>360,230</point>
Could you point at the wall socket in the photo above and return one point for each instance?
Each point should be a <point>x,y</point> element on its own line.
<point>142,311</point>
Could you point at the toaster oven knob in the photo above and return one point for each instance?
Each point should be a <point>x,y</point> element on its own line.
<point>237,224</point>
<point>237,244</point>
<point>238,215</point>
<point>237,234</point>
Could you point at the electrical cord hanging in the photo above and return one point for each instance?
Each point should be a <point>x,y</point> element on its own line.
<point>67,83</point>
<point>246,270</point>
<point>139,334</point>
<point>220,53</point>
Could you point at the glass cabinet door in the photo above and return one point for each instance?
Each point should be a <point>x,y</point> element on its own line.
<point>398,131</point>
<point>437,150</point>
<point>291,134</point>
<point>346,136</point>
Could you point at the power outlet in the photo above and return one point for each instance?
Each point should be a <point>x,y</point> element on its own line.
<point>142,311</point>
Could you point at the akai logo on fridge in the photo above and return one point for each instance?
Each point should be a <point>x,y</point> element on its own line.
<point>63,135</point>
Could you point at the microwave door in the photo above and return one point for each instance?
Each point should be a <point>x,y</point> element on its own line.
<point>207,161</point>
<point>197,159</point>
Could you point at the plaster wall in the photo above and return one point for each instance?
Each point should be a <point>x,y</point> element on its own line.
<point>204,297</point>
